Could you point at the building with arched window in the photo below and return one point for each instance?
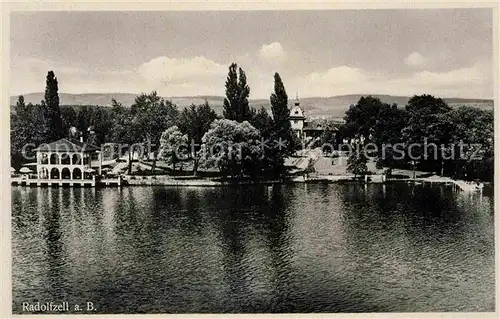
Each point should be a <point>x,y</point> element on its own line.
<point>66,159</point>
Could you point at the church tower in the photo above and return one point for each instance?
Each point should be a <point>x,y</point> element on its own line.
<point>297,118</point>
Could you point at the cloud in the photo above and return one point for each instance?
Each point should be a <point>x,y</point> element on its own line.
<point>415,60</point>
<point>454,78</point>
<point>338,76</point>
<point>329,82</point>
<point>169,70</point>
<point>168,76</point>
<point>272,51</point>
<point>202,76</point>
<point>469,82</point>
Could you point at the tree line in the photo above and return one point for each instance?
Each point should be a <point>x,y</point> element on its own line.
<point>463,136</point>
<point>248,142</point>
<point>152,120</point>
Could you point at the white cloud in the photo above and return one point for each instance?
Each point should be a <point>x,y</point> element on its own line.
<point>171,70</point>
<point>471,82</point>
<point>332,81</point>
<point>168,76</point>
<point>272,51</point>
<point>415,60</point>
<point>453,78</point>
<point>202,76</point>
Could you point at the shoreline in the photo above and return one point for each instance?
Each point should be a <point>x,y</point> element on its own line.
<point>317,179</point>
<point>164,180</point>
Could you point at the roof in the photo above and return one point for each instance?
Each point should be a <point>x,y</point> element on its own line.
<point>296,113</point>
<point>67,145</point>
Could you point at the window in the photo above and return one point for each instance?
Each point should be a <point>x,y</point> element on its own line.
<point>296,112</point>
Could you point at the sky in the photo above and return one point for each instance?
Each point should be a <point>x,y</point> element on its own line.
<point>444,52</point>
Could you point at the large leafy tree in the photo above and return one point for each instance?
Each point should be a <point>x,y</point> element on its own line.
<point>93,123</point>
<point>68,117</point>
<point>428,123</point>
<point>84,120</point>
<point>473,139</point>
<point>377,122</point>
<point>173,146</point>
<point>194,121</point>
<point>124,131</point>
<point>391,120</point>
<point>41,124</point>
<point>263,122</point>
<point>21,132</point>
<point>29,125</point>
<point>236,106</point>
<point>356,163</point>
<point>101,125</point>
<point>152,115</point>
<point>360,119</point>
<point>233,148</point>
<point>52,110</point>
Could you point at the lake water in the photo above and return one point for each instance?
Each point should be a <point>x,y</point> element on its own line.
<point>283,248</point>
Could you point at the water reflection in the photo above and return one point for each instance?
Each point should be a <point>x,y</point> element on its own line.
<point>282,248</point>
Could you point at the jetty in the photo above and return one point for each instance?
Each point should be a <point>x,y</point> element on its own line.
<point>460,184</point>
<point>41,182</point>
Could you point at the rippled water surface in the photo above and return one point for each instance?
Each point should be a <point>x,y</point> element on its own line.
<point>289,248</point>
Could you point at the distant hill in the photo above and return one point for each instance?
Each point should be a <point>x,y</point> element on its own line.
<point>334,106</point>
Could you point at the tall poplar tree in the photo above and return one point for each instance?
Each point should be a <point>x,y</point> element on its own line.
<point>282,135</point>
<point>52,110</point>
<point>279,107</point>
<point>236,106</point>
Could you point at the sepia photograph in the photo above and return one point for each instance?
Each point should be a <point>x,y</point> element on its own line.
<point>252,161</point>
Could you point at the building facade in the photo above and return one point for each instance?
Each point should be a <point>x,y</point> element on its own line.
<point>310,130</point>
<point>66,159</point>
<point>297,120</point>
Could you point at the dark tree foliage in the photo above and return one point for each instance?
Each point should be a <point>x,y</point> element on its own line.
<point>236,106</point>
<point>428,123</point>
<point>378,123</point>
<point>101,125</point>
<point>263,122</point>
<point>280,110</point>
<point>282,137</point>
<point>52,110</point>
<point>232,148</point>
<point>124,131</point>
<point>194,121</point>
<point>152,115</point>
<point>391,120</point>
<point>473,141</point>
<point>20,133</point>
<point>356,163</point>
<point>84,120</point>
<point>430,131</point>
<point>68,116</point>
<point>328,137</point>
<point>29,128</point>
<point>464,136</point>
<point>361,118</point>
